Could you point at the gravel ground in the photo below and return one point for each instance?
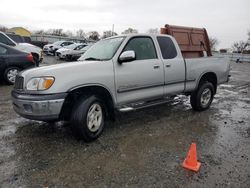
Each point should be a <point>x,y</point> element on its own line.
<point>140,149</point>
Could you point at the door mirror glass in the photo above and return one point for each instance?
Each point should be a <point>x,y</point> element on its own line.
<point>127,56</point>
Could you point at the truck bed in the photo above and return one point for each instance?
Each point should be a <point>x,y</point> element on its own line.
<point>196,66</point>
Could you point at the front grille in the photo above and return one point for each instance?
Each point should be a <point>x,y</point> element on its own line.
<point>18,82</point>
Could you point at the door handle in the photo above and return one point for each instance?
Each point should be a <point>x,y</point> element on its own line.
<point>168,65</point>
<point>156,66</point>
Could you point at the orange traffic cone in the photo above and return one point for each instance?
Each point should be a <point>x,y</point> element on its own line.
<point>191,162</point>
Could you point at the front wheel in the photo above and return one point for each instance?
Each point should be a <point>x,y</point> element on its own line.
<point>202,98</point>
<point>88,119</point>
<point>10,75</point>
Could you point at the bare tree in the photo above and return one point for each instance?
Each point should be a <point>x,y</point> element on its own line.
<point>93,35</point>
<point>107,34</point>
<point>3,28</point>
<point>57,32</point>
<point>213,42</point>
<point>240,46</point>
<point>41,31</point>
<point>80,33</point>
<point>68,33</point>
<point>130,30</point>
<point>153,31</point>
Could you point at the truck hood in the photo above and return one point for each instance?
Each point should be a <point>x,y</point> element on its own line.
<point>69,75</point>
<point>51,70</point>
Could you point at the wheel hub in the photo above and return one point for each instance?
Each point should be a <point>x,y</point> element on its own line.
<point>94,117</point>
<point>11,75</point>
<point>206,97</point>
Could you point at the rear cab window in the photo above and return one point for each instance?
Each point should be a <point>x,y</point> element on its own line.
<point>167,47</point>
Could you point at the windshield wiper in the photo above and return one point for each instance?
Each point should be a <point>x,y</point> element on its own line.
<point>92,58</point>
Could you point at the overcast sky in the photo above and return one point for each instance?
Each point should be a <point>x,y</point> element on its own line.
<point>227,20</point>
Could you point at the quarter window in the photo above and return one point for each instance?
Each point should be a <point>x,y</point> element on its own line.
<point>143,46</point>
<point>3,50</point>
<point>167,47</point>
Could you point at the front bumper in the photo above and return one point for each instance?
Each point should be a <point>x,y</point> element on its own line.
<point>38,107</point>
<point>60,55</point>
<point>47,50</point>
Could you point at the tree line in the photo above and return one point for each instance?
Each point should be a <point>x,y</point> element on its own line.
<point>238,46</point>
<point>93,35</point>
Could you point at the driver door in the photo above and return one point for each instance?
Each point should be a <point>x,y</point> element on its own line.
<point>143,78</point>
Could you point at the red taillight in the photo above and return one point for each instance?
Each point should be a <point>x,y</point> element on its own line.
<point>30,58</point>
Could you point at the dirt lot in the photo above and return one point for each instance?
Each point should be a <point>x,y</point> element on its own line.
<point>141,149</point>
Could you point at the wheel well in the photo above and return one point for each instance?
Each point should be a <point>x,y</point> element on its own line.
<point>35,55</point>
<point>210,77</point>
<point>35,58</point>
<point>74,96</point>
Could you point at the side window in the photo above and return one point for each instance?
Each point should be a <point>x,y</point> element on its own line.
<point>167,46</point>
<point>5,40</point>
<point>63,44</point>
<point>3,50</point>
<point>79,47</point>
<point>143,46</point>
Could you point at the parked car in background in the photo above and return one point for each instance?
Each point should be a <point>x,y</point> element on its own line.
<point>77,53</point>
<point>12,61</point>
<point>52,48</point>
<point>16,38</point>
<point>63,52</point>
<point>60,53</point>
<point>19,38</point>
<point>25,47</point>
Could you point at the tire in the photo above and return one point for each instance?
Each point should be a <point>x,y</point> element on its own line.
<point>82,126</point>
<point>54,52</point>
<point>36,59</point>
<point>10,75</point>
<point>202,98</point>
<point>68,57</point>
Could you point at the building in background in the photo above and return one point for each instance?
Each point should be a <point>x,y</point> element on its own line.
<point>19,31</point>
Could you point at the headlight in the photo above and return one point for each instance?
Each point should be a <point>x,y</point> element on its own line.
<point>39,84</point>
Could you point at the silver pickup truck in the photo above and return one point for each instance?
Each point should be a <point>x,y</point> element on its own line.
<point>121,73</point>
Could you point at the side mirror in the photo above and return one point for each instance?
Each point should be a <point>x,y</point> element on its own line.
<point>127,56</point>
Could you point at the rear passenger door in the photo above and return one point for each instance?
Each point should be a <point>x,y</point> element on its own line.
<point>143,78</point>
<point>174,66</point>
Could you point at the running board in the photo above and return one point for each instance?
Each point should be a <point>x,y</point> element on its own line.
<point>140,105</point>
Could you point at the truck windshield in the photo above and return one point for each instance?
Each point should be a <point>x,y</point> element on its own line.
<point>103,50</point>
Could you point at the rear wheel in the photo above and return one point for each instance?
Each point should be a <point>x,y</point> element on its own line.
<point>88,119</point>
<point>202,98</point>
<point>10,75</point>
